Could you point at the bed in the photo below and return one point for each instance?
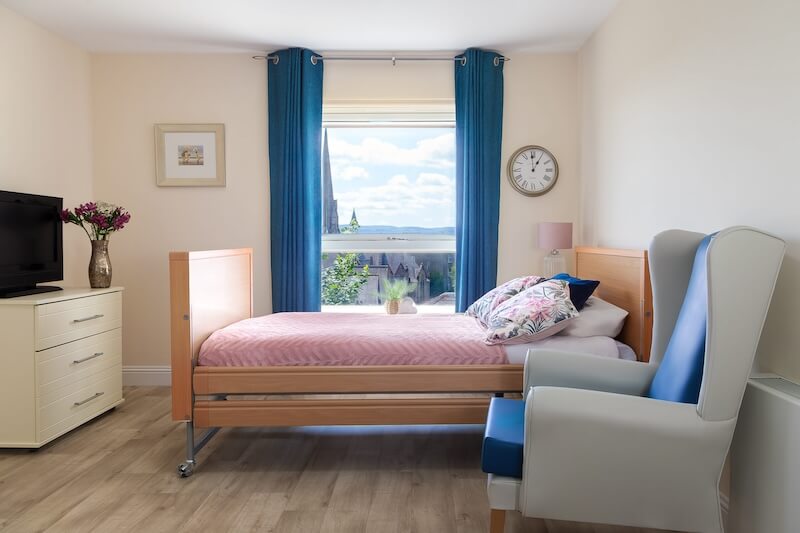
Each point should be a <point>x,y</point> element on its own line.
<point>211,290</point>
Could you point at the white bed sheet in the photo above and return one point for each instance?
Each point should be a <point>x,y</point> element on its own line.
<point>600,346</point>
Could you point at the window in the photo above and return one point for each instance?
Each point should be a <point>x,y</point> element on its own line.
<point>388,210</point>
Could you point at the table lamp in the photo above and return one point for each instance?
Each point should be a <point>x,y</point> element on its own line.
<point>555,236</point>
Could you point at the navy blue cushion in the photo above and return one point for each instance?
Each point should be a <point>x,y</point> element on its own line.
<point>504,437</point>
<point>680,373</point>
<point>579,289</point>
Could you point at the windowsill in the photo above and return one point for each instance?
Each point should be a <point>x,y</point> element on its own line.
<point>421,309</point>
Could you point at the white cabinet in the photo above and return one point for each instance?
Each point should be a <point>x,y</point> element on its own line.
<point>60,362</point>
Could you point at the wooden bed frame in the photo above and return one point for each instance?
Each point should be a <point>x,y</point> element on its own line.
<point>212,289</point>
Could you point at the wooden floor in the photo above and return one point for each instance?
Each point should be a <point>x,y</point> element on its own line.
<point>118,474</point>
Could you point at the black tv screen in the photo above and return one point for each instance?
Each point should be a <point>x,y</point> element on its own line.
<point>30,240</point>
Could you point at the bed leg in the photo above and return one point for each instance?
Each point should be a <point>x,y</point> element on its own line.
<point>497,521</point>
<point>499,394</point>
<point>186,468</point>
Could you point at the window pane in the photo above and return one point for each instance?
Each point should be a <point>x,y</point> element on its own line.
<point>388,216</point>
<point>389,180</point>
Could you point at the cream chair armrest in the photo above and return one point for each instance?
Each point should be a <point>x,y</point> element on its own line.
<point>559,405</point>
<point>580,371</point>
<point>608,454</point>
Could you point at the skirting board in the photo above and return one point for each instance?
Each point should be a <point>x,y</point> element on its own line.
<point>147,375</point>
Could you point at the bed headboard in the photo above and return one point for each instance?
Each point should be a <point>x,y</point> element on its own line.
<point>208,291</point>
<point>624,277</point>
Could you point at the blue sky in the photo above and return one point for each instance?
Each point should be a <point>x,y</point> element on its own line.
<point>394,176</point>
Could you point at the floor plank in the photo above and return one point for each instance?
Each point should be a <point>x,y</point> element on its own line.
<point>117,474</point>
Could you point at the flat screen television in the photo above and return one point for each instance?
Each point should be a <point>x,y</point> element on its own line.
<point>31,249</point>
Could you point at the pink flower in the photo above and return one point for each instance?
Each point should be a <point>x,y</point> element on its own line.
<point>85,209</point>
<point>97,220</point>
<point>120,220</point>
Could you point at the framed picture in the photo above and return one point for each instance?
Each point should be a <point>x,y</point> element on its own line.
<point>190,155</point>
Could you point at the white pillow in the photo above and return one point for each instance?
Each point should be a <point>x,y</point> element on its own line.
<point>597,318</point>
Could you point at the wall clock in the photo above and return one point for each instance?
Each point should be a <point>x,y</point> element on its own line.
<point>533,170</point>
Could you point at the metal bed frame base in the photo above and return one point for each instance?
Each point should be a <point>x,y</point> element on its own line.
<point>186,468</point>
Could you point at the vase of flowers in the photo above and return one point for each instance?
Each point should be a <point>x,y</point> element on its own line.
<point>99,220</point>
<point>394,291</point>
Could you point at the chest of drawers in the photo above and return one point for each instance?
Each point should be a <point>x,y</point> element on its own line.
<point>60,362</point>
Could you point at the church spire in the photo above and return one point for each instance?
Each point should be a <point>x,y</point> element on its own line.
<point>330,207</point>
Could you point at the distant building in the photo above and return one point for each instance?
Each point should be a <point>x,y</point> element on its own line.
<point>330,207</point>
<point>385,266</point>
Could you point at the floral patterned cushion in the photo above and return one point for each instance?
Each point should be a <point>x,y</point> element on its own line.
<point>487,303</point>
<point>533,314</point>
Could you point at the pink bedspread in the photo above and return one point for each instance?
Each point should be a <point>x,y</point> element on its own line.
<point>345,339</point>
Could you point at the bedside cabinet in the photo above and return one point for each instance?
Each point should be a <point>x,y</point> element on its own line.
<point>60,362</point>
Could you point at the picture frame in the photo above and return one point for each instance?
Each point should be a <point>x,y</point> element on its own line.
<point>190,155</point>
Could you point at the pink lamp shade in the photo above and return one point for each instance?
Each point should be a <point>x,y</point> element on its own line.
<point>555,235</point>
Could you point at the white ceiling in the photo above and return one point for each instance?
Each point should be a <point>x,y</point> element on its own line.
<point>330,25</point>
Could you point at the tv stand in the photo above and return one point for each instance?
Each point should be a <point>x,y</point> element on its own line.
<point>62,362</point>
<point>25,291</point>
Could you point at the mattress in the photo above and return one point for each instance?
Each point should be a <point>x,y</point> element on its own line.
<point>365,339</point>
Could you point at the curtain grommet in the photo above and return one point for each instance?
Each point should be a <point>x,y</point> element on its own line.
<point>463,61</point>
<point>314,60</point>
<point>496,61</point>
<point>275,60</point>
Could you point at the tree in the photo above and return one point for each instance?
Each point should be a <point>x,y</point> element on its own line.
<point>342,280</point>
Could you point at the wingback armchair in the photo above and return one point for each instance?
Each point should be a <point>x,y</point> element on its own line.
<point>642,444</point>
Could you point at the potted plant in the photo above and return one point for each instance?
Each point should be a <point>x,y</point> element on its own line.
<point>99,221</point>
<point>393,291</point>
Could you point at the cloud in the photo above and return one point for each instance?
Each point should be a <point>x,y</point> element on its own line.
<point>349,173</point>
<point>428,200</point>
<point>435,152</point>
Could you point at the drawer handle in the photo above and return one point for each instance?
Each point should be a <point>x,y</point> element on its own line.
<point>93,356</point>
<point>88,318</point>
<point>89,399</point>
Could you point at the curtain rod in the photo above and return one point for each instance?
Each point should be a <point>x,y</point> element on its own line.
<point>393,59</point>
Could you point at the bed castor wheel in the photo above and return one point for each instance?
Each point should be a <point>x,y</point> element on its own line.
<point>185,469</point>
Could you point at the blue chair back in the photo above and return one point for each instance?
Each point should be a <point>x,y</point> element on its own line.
<point>680,374</point>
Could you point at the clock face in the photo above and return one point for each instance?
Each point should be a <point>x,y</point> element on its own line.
<point>533,170</point>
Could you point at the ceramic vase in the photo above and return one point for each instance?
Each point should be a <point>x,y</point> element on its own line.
<point>392,306</point>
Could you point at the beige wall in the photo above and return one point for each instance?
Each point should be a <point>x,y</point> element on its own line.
<point>690,116</point>
<point>131,94</point>
<point>541,107</point>
<point>379,80</point>
<point>45,124</point>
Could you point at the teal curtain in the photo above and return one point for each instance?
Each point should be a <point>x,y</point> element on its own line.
<point>295,129</point>
<point>479,130</point>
